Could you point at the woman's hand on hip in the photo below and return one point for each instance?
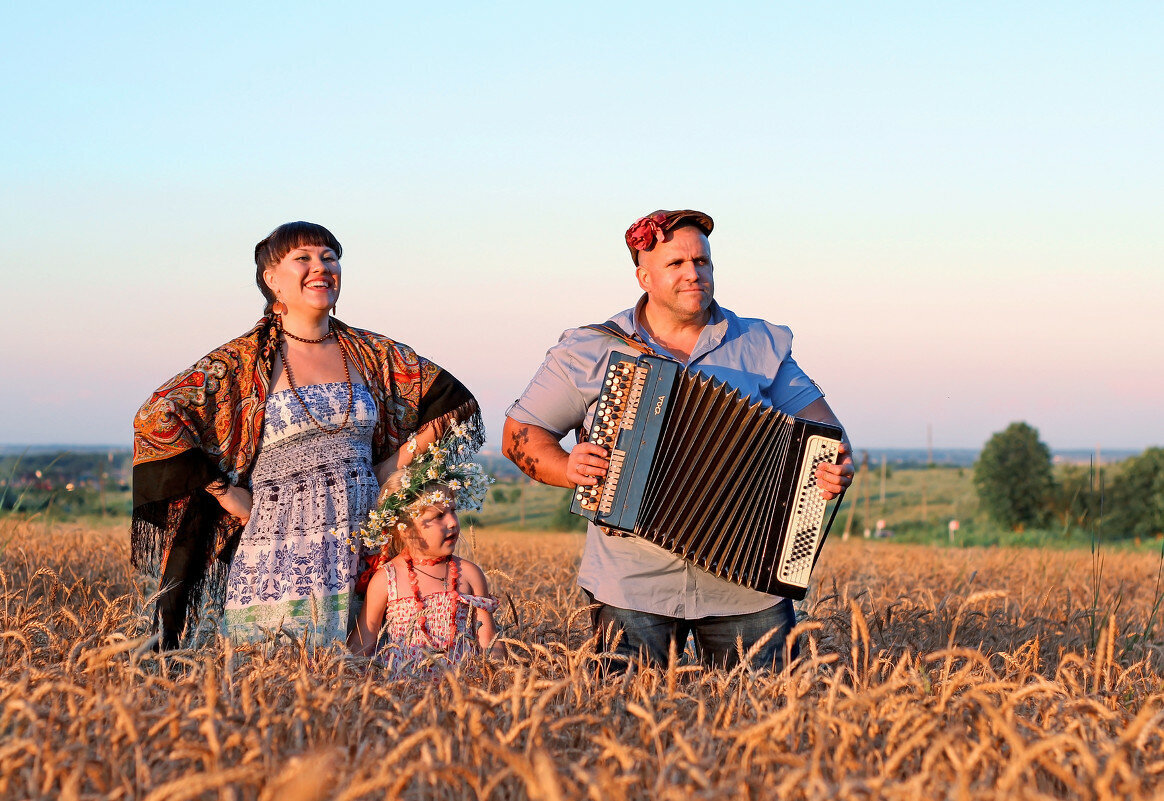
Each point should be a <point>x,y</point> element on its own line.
<point>236,501</point>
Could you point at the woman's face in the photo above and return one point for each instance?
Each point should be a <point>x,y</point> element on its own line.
<point>434,531</point>
<point>307,279</point>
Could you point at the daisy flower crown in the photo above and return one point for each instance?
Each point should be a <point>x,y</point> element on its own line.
<point>444,462</point>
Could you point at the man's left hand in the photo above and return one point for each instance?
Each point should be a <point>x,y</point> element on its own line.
<point>833,478</point>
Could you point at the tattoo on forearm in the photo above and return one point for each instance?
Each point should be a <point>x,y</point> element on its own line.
<point>516,451</point>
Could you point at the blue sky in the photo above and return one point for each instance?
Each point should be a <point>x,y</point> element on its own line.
<point>956,209</point>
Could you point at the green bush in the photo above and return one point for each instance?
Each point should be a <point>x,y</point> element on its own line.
<point>565,520</point>
<point>1013,478</point>
<point>1136,506</point>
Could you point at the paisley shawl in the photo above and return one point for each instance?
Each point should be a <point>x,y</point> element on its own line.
<point>205,425</point>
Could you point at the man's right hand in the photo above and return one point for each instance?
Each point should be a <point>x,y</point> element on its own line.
<point>539,454</point>
<point>587,463</point>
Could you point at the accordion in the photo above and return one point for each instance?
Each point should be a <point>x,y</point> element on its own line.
<point>727,483</point>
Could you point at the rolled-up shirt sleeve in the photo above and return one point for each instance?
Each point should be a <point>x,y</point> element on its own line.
<point>791,389</point>
<point>553,400</point>
<point>794,389</point>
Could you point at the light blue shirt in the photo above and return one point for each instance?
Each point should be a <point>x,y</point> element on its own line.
<point>747,353</point>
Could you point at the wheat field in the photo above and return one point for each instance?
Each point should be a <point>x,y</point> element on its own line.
<point>924,674</point>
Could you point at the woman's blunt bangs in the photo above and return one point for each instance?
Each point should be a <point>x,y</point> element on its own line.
<point>288,236</point>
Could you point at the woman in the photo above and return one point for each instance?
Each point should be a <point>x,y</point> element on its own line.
<point>307,414</point>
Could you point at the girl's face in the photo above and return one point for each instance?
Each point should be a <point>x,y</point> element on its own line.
<point>434,532</point>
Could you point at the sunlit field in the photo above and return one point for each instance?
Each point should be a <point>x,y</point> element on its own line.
<point>924,673</point>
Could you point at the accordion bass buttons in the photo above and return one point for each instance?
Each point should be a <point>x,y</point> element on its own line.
<point>616,408</point>
<point>587,497</point>
<point>613,404</point>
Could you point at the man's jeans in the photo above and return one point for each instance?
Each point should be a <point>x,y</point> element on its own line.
<point>715,637</point>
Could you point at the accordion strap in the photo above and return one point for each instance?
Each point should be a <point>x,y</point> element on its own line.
<point>633,341</point>
<point>613,329</point>
<point>828,526</point>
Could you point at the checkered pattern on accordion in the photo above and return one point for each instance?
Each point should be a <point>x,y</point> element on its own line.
<point>725,482</point>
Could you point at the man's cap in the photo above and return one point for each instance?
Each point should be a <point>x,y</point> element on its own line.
<point>648,231</point>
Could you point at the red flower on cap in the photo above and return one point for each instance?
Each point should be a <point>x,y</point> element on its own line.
<point>646,231</point>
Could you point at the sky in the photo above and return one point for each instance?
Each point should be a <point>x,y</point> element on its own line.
<point>956,208</point>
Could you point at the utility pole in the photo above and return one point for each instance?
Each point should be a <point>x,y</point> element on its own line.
<point>101,480</point>
<point>925,475</point>
<point>883,470</point>
<point>865,468</point>
<point>852,507</point>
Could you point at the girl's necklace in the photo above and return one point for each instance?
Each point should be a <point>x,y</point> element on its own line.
<point>295,390</point>
<point>444,578</point>
<point>451,578</point>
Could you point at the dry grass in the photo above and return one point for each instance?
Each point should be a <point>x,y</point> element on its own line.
<point>924,674</point>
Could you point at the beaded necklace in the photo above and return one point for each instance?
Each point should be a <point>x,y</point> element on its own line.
<point>451,579</point>
<point>295,390</point>
<point>309,341</point>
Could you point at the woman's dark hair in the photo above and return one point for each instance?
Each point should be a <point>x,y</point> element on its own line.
<point>282,241</point>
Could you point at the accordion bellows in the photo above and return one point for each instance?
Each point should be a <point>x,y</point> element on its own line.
<point>725,482</point>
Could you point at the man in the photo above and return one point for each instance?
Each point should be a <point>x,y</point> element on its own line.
<point>654,598</point>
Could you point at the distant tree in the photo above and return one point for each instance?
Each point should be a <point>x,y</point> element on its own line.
<point>1135,506</point>
<point>1077,497</point>
<point>565,520</point>
<point>1013,477</point>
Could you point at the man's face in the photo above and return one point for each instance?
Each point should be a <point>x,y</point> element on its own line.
<point>676,274</point>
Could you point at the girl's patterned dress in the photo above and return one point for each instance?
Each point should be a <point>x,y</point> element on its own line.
<point>294,568</point>
<point>403,644</point>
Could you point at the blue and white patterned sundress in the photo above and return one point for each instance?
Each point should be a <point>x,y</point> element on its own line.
<point>290,571</point>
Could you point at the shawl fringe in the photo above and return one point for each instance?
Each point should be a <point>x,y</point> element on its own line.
<point>178,542</point>
<point>468,413</point>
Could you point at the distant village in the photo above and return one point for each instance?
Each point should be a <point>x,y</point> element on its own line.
<point>73,481</point>
<point>88,481</point>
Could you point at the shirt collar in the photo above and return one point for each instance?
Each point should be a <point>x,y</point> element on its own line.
<point>710,337</point>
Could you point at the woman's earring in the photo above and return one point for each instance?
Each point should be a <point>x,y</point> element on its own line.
<point>279,308</point>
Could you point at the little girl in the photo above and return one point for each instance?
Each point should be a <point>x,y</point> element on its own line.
<point>425,608</point>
